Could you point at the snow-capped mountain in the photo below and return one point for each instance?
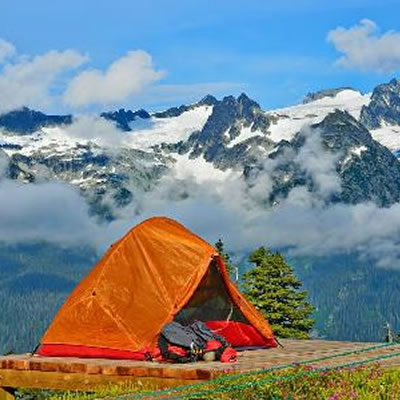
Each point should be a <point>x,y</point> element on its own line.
<point>112,155</point>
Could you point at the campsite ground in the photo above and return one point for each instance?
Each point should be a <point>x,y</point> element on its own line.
<point>364,383</point>
<point>316,373</point>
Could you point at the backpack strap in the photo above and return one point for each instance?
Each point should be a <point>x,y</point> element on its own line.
<point>173,353</point>
<point>214,342</point>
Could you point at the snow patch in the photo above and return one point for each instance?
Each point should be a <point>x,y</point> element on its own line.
<point>245,133</point>
<point>358,150</point>
<point>144,135</point>
<point>81,181</point>
<point>388,136</point>
<point>167,130</point>
<point>354,151</point>
<point>290,120</point>
<point>45,139</point>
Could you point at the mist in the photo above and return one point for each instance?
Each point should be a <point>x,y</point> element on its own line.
<point>304,223</point>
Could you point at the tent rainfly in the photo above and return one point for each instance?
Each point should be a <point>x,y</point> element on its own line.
<point>157,273</point>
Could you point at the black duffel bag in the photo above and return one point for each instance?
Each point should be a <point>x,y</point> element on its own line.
<point>182,344</point>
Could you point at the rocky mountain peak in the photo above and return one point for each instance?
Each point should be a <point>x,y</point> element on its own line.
<point>248,107</point>
<point>340,127</point>
<point>25,121</point>
<point>123,117</point>
<point>320,94</point>
<point>384,106</point>
<point>227,116</point>
<point>228,119</point>
<point>229,100</point>
<point>245,100</point>
<point>366,170</point>
<point>208,100</point>
<point>232,133</point>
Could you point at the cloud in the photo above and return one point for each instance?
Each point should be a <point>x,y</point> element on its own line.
<point>50,211</point>
<point>319,164</point>
<point>45,82</point>
<point>3,163</point>
<point>125,77</point>
<point>365,49</point>
<point>95,129</point>
<point>302,224</point>
<point>7,49</point>
<point>28,81</point>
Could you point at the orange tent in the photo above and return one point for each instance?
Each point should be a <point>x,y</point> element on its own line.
<point>158,272</point>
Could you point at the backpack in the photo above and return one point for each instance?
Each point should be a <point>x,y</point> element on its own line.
<point>182,344</point>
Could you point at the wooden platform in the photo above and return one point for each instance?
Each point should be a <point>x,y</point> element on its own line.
<point>86,374</point>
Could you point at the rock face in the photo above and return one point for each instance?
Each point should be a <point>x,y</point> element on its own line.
<point>25,121</point>
<point>123,117</point>
<point>208,100</point>
<point>366,170</point>
<point>384,106</point>
<point>312,96</point>
<point>229,117</point>
<point>106,179</point>
<point>177,111</point>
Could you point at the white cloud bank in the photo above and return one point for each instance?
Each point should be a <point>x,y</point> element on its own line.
<point>302,223</point>
<point>28,81</point>
<point>47,81</point>
<point>125,77</point>
<point>96,129</point>
<point>364,48</point>
<point>50,211</point>
<point>7,49</point>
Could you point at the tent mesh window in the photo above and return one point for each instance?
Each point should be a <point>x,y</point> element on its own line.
<point>210,302</point>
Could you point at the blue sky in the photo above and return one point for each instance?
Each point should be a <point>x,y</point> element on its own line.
<point>274,51</point>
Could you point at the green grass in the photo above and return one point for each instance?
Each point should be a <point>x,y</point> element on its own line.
<point>101,393</point>
<point>372,382</point>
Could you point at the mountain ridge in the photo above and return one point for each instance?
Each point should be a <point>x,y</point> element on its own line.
<point>229,134</point>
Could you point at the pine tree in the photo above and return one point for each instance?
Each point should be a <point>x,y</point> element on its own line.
<point>219,245</point>
<point>274,290</point>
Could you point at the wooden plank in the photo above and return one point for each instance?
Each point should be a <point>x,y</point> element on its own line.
<point>6,394</point>
<point>77,381</point>
<point>86,374</point>
<point>107,367</point>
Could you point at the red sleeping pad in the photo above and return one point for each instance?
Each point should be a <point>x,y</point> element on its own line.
<point>239,334</point>
<point>67,350</point>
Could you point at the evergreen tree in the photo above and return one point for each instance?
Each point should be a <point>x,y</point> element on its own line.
<point>274,290</point>
<point>219,245</point>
